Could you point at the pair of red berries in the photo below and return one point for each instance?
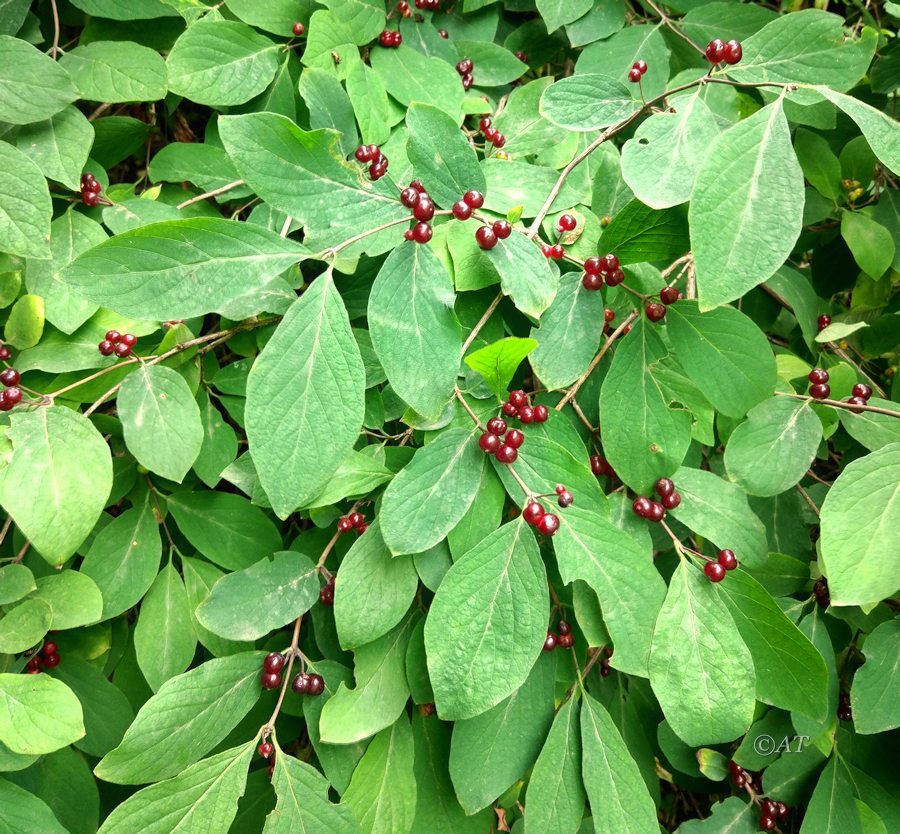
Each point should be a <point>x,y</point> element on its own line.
<point>415,197</point>
<point>638,68</point>
<point>547,523</point>
<point>656,510</point>
<point>117,343</point>
<point>431,5</point>
<point>372,156</point>
<point>562,638</point>
<point>48,657</point>
<point>90,189</point>
<point>822,322</point>
<point>390,39</point>
<point>770,812</point>
<point>725,561</point>
<point>501,442</point>
<point>404,9</point>
<point>819,388</point>
<point>464,69</point>
<point>353,521</point>
<point>308,684</point>
<point>12,395</point>
<point>517,405</point>
<point>859,395</point>
<point>487,236</point>
<point>717,50</point>
<point>600,269</point>
<point>490,133</point>
<point>601,466</point>
<point>326,592</point>
<point>298,29</point>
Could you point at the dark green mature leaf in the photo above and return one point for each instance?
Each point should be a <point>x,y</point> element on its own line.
<point>430,495</point>
<point>33,87</point>
<point>186,719</point>
<point>25,207</point>
<point>555,798</point>
<point>619,799</point>
<point>490,751</point>
<point>862,569</point>
<point>879,129</point>
<point>782,431</point>
<point>556,13</point>
<point>733,816</point>
<point>59,146</point>
<point>414,329</point>
<point>832,807</point>
<point>181,268</point>
<point>40,714</point>
<point>487,623</point>
<point>370,103</point>
<point>373,590</point>
<point>116,71</point>
<point>620,570</point>
<point>725,354</point>
<point>329,106</point>
<point>203,796</point>
<point>750,174</point>
<point>58,480</point>
<point>697,649</point>
<point>305,399</point>
<point>526,275</point>
<point>587,102</point>
<point>288,582</point>
<point>643,437</point>
<point>639,233</point>
<point>876,710</point>
<point>497,363</point>
<point>411,77</point>
<point>23,811</point>
<point>225,528</point>
<point>871,243</point>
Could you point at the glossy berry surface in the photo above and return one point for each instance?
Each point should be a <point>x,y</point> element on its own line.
<point>556,252</point>
<point>664,487</point>
<point>593,265</point>
<point>316,685</point>
<point>502,229</point>
<point>861,390</point>
<point>733,52</point>
<point>715,51</point>
<point>496,425</point>
<point>634,75</point>
<point>270,680</point>
<point>641,506</point>
<point>9,377</point>
<point>421,233</point>
<point>298,29</point>
<point>424,208</point>
<point>106,348</point>
<point>514,438</point>
<point>300,683</point>
<point>817,376</point>
<point>655,311</point>
<point>474,198</point>
<point>51,661</point>
<point>714,571</point>
<point>550,642</point>
<point>727,559</point>
<point>506,454</point>
<point>274,662</point>
<point>486,237</point>
<point>548,524</point>
<point>489,443</point>
<point>670,502</point>
<point>566,223</point>
<point>614,278</point>
<point>541,414</point>
<point>668,295</point>
<point>462,210</point>
<point>565,499</point>
<point>265,749</point>
<point>526,414</point>
<point>820,391</point>
<point>822,322</point>
<point>533,513</point>
<point>518,398</point>
<point>591,282</point>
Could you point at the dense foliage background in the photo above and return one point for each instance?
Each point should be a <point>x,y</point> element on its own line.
<point>257,573</point>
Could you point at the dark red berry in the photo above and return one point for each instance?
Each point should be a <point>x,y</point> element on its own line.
<point>521,56</point>
<point>767,823</point>
<point>424,208</point>
<point>518,398</point>
<point>767,808</point>
<point>600,466</point>
<point>464,66</point>
<point>560,489</point>
<point>270,680</point>
<point>556,252</point>
<point>485,123</point>
<point>486,237</point>
<point>34,663</point>
<point>593,265</point>
<point>817,376</point>
<point>608,315</point>
<point>408,235</point>
<point>5,404</point>
<point>565,641</point>
<point>506,454</point>
<point>490,134</point>
<point>499,140</point>
<point>739,779</point>
<point>356,518</point>
<point>344,525</point>
<point>265,749</point>
<point>113,336</point>
<point>566,223</point>
<point>533,513</point>
<point>300,683</point>
<point>298,29</point>
<point>462,210</point>
<point>526,414</point>
<point>733,52</point>
<point>566,499</point>
<point>614,278</point>
<point>642,506</point>
<point>634,75</point>
<point>4,354</point>
<point>563,627</point>
<point>549,642</point>
<point>509,409</point>
<point>502,229</point>
<point>861,390</point>
<point>421,233</point>
<point>51,660</point>
<point>468,80</point>
<point>820,391</point>
<point>640,66</point>
<point>326,595</point>
<point>409,197</point>
<point>715,51</point>
<point>417,184</point>
<point>129,339</point>
<point>609,262</point>
<point>541,414</point>
<point>670,502</point>
<point>668,295</point>
<point>377,170</point>
<point>514,438</point>
<point>822,322</point>
<point>854,401</point>
<point>316,685</point>
<point>664,487</point>
<point>362,529</point>
<point>591,282</point>
<point>783,810</point>
<point>9,377</point>
<point>820,592</point>
<point>274,662</point>
<point>94,187</point>
<point>106,347</point>
<point>489,443</point>
<point>655,312</point>
<point>89,198</point>
<point>496,425</point>
<point>727,559</point>
<point>426,709</point>
<point>657,512</point>
<point>49,648</point>
<point>714,571</point>
<point>548,524</point>
<point>474,199</point>
<point>363,154</point>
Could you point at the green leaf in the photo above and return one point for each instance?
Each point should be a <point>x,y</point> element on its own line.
<point>40,714</point>
<point>221,62</point>
<point>491,751</point>
<point>432,493</point>
<point>661,161</point>
<point>332,33</point>
<point>181,268</point>
<point>862,569</point>
<point>556,13</point>
<point>382,793</point>
<point>357,475</point>
<point>289,583</point>
<point>587,102</point>
<point>498,362</point>
<point>643,437</point>
<point>718,510</point>
<point>639,233</point>
<point>875,709</point>
<point>59,146</point>
<point>309,376</point>
<point>303,803</point>
<point>380,694</point>
<point>220,444</point>
<point>697,649</point>
<point>25,324</point>
<point>370,103</point>
<point>58,480</point>
<point>25,207</point>
<point>24,625</point>
<point>782,431</point>
<point>186,719</point>
<point>24,812</point>
<point>16,581</point>
<point>619,799</point>
<point>409,77</point>
<point>225,528</point>
<point>206,166</point>
<point>616,55</point>
<point>73,597</point>
<point>831,807</point>
<point>620,569</point>
<point>164,638</point>
<point>372,590</point>
<point>555,799</point>
<point>161,420</point>
<point>750,174</point>
<point>820,166</point>
<point>124,559</point>
<point>205,796</point>
<point>487,623</point>
<point>116,71</point>
<point>414,329</point>
<point>329,106</point>
<point>33,86</point>
<point>790,672</point>
<point>526,276</point>
<point>733,816</point>
<point>871,243</point>
<point>725,354</point>
<point>442,158</point>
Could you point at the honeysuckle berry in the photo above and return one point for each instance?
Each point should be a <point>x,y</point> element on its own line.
<point>300,683</point>
<point>316,685</point>
<point>5,404</point>
<point>113,336</point>
<point>464,66</point>
<point>614,278</point>
<point>474,198</point>
<point>821,593</point>
<point>326,594</point>
<point>89,198</point>
<point>489,443</point>
<point>518,398</point>
<point>4,354</point>
<point>490,134</point>
<point>408,235</point>
<point>565,641</point>
<point>634,75</point>
<point>521,56</point>
<point>9,377</point>
<point>783,810</point>
<point>506,454</point>
<point>344,525</point>
<point>640,66</point>
<point>817,376</point>
<point>566,223</point>
<point>549,641</point>
<point>377,170</point>
<point>861,390</point>
<point>363,154</point>
<point>106,347</point>
<point>51,660</point>
<point>820,391</point>
<point>714,571</point>
<point>467,81</point>
<point>854,401</point>
<point>767,823</point>
<point>591,282</point>
<point>265,749</point>
<point>514,438</point>
<point>129,339</point>
<point>390,39</point>
<point>641,506</point>
<point>657,512</point>
<point>608,315</point>
<point>541,414</point>
<point>270,680</point>
<point>462,210</point>
<point>499,140</point>
<point>298,29</point>
<point>486,237</point>
<point>548,524</point>
<point>565,499</point>
<point>409,197</point>
<point>822,322</point>
<point>664,487</point>
<point>509,410</point>
<point>655,311</point>
<point>273,662</point>
<point>502,229</point>
<point>422,233</point>
<point>484,123</point>
<point>727,559</point>
<point>362,529</point>
<point>526,414</point>
<point>715,51</point>
<point>733,52</point>
<point>668,295</point>
<point>593,265</point>
<point>670,502</point>
<point>533,513</point>
<point>600,466</point>
<point>404,9</point>
<point>609,262</point>
<point>496,425</point>
<point>557,252</point>
<point>356,518</point>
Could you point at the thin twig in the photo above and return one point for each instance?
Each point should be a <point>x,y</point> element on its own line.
<point>214,193</point>
<point>808,500</point>
<point>875,409</point>
<point>55,48</point>
<point>286,226</point>
<point>292,653</point>
<point>481,323</point>
<point>670,24</point>
<point>99,111</point>
<point>5,530</point>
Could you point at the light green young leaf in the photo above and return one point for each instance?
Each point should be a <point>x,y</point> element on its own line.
<point>186,719</point>
<point>357,475</point>
<point>495,65</point>
<point>40,714</point>
<point>72,596</point>
<point>203,797</point>
<point>697,649</point>
<point>181,268</point>
<point>875,709</point>
<point>487,623</point>
<point>59,146</point>
<point>526,276</point>
<point>750,174</point>
<point>24,812</point>
<point>58,480</point>
<point>862,569</point>
<point>432,493</point>
<point>498,362</point>
<point>409,77</point>
<point>587,102</point>
<point>556,13</point>
<point>16,581</point>
<point>25,323</point>
<point>414,329</point>
<point>370,103</point>
<point>871,243</point>
<point>116,71</point>
<point>161,420</point>
<point>305,399</point>
<point>25,207</point>
<point>33,86</point>
<point>23,626</point>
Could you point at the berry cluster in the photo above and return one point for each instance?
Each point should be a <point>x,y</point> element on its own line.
<point>404,9</point>
<point>503,444</point>
<point>517,405</point>
<point>464,68</point>
<point>415,197</point>
<point>669,499</point>
<point>605,669</point>
<point>521,56</point>
<point>725,561</point>
<point>303,683</point>
<point>638,68</point>
<point>308,684</point>
<point>597,270</point>
<point>48,657</point>
<point>656,311</point>
<point>490,133</point>
<point>12,395</point>
<point>770,812</point>
<point>90,189</point>
<point>562,638</point>
<point>859,395</point>
<point>740,778</point>
<point>822,322</point>
<point>117,343</point>
<point>717,50</point>
<point>390,39</point>
<point>819,388</point>
<point>326,592</point>
<point>845,711</point>
<point>353,521</point>
<point>298,29</point>
<point>372,156</point>
<point>266,749</point>
<point>547,523</point>
<point>431,5</point>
